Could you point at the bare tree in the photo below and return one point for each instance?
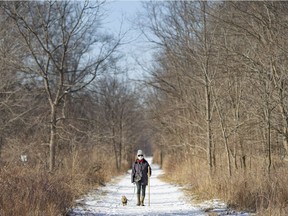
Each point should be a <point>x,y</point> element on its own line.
<point>66,50</point>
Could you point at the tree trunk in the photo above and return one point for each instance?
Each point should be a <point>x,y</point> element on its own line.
<point>243,155</point>
<point>209,130</point>
<point>225,138</point>
<point>1,144</point>
<point>269,144</point>
<point>52,142</point>
<point>121,139</point>
<point>115,148</point>
<point>161,158</point>
<point>285,123</point>
<point>285,139</point>
<point>206,69</point>
<point>228,155</point>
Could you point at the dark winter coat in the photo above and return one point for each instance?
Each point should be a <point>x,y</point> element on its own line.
<point>140,169</point>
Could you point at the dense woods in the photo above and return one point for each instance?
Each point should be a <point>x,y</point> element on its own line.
<point>219,98</point>
<point>214,107</point>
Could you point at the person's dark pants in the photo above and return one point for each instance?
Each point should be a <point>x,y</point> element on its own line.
<point>141,188</point>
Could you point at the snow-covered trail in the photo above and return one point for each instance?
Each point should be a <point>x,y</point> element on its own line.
<point>165,199</point>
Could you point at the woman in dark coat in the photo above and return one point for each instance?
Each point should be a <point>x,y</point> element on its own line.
<point>141,170</point>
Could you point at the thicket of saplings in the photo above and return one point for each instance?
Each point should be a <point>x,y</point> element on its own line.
<point>27,188</point>
<point>252,189</point>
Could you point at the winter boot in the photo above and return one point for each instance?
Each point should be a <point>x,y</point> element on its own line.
<point>142,200</point>
<point>138,200</point>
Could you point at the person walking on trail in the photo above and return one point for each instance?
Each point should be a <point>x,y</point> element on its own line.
<point>141,171</point>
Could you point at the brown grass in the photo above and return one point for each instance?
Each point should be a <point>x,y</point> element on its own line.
<point>31,190</point>
<point>261,193</point>
<point>253,190</point>
<point>24,192</point>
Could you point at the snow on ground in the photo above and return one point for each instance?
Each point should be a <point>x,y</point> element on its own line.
<point>165,200</point>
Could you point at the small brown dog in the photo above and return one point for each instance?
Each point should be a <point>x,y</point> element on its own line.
<point>124,200</point>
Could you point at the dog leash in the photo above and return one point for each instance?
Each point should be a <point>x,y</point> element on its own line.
<point>133,193</point>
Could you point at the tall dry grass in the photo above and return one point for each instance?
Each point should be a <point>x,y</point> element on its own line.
<point>253,190</point>
<point>28,189</point>
<point>26,192</point>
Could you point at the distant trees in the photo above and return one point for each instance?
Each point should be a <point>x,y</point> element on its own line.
<point>52,51</point>
<point>120,116</point>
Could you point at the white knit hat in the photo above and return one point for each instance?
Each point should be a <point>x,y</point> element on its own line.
<point>139,152</point>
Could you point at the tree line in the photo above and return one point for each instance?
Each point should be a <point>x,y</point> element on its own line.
<point>60,86</point>
<point>219,87</point>
<point>220,78</point>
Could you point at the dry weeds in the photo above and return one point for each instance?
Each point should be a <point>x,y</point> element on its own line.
<point>30,190</point>
<point>253,190</point>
